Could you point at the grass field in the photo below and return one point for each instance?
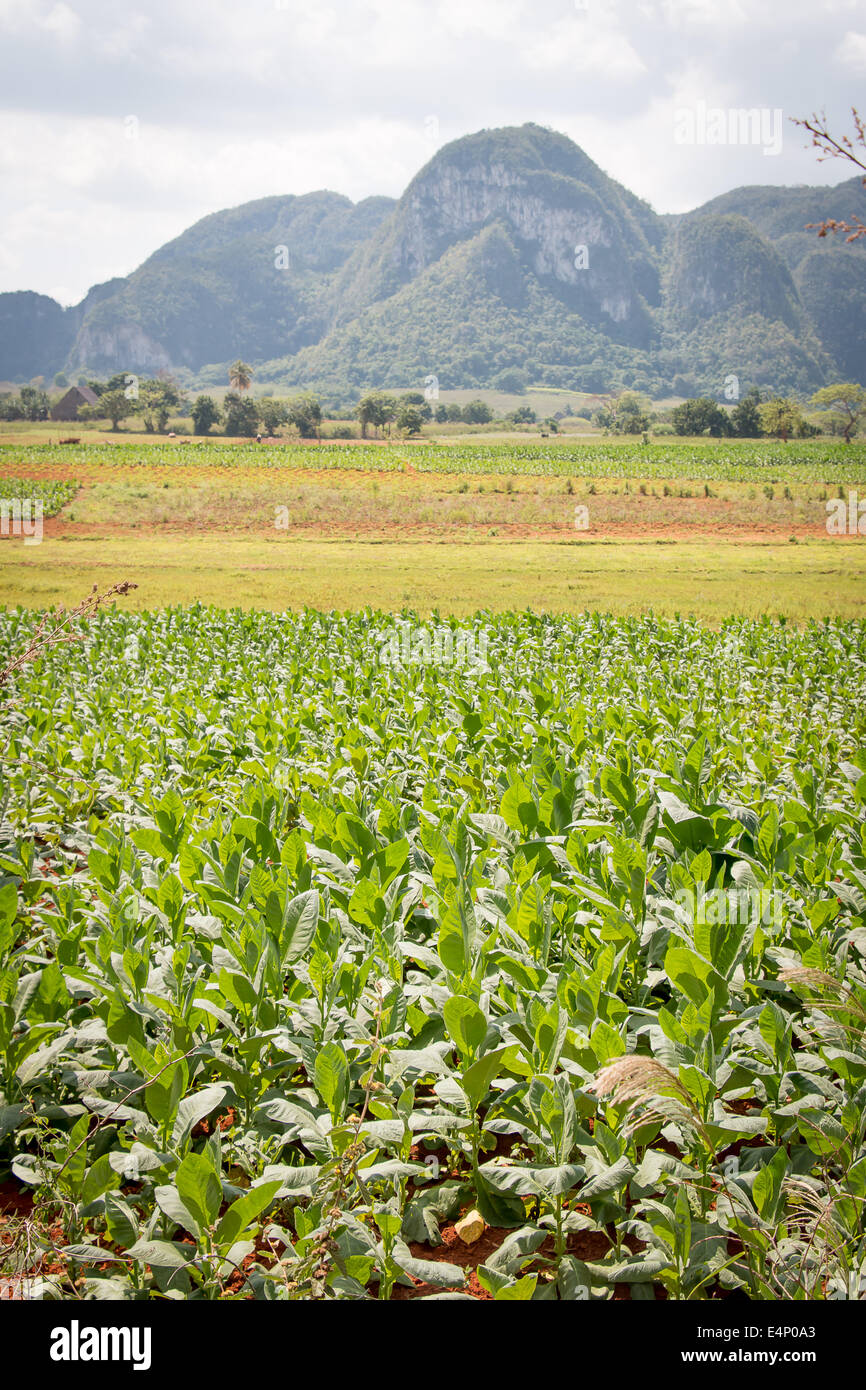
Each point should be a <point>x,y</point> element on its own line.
<point>807,580</point>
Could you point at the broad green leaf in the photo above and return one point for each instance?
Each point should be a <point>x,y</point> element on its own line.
<point>466,1024</point>
<point>767,1187</point>
<point>244,1211</point>
<point>158,1253</point>
<point>332,1078</point>
<point>199,1188</point>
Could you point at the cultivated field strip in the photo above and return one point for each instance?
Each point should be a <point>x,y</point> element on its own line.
<point>52,494</point>
<point>758,461</point>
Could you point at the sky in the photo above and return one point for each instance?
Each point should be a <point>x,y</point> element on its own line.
<point>121,124</point>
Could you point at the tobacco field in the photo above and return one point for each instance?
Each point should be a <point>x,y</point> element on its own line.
<point>742,460</point>
<point>306,953</point>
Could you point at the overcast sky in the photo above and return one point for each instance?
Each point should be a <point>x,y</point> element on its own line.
<point>122,123</point>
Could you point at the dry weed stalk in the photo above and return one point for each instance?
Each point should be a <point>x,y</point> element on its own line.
<point>649,1092</point>
<point>834,996</point>
<point>843,148</point>
<point>47,636</point>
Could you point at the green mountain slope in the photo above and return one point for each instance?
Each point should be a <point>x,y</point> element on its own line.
<point>249,282</point>
<point>464,319</point>
<point>782,215</point>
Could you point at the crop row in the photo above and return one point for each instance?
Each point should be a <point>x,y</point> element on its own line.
<point>743,461</point>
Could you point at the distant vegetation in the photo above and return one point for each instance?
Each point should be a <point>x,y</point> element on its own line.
<point>157,405</point>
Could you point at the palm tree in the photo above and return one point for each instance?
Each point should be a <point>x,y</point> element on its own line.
<point>240,376</point>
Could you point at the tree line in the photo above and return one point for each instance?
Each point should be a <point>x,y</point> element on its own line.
<point>842,407</point>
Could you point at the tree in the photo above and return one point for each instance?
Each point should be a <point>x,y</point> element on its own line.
<point>205,412</point>
<point>746,416</point>
<point>628,413</point>
<point>477,412</point>
<point>425,409</point>
<point>780,417</point>
<point>409,418</point>
<point>34,403</point>
<point>156,400</point>
<point>376,409</point>
<point>240,376</point>
<point>241,414</point>
<point>114,406</point>
<point>700,416</point>
<point>367,412</point>
<point>523,415</point>
<point>272,414</point>
<point>61,380</point>
<point>847,400</point>
<point>844,148</point>
<point>305,413</point>
<point>512,380</point>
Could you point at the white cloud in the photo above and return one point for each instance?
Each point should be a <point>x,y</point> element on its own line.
<point>121,41</point>
<point>58,19</point>
<point>852,51</point>
<point>705,14</point>
<point>584,45</point>
<point>62,21</point>
<point>92,204</point>
<point>495,19</point>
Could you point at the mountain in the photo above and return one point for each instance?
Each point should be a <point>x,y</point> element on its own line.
<point>548,196</point>
<point>510,249</point>
<point>249,282</point>
<point>37,334</point>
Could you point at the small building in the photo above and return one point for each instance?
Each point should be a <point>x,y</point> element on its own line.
<point>68,406</point>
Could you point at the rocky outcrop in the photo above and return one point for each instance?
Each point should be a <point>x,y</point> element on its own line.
<point>100,349</point>
<point>574,229</point>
